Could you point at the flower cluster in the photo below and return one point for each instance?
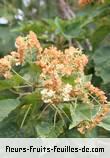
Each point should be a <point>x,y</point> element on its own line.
<point>85,2</point>
<point>62,76</point>
<point>84,126</point>
<point>7,62</point>
<point>97,92</point>
<point>4,67</point>
<point>23,45</point>
<point>102,99</point>
<point>55,65</point>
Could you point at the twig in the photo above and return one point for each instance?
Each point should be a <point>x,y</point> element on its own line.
<point>24,118</point>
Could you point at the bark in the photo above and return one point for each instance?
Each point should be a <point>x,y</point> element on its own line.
<point>65,10</point>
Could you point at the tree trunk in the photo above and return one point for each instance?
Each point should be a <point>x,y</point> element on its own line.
<point>65,10</point>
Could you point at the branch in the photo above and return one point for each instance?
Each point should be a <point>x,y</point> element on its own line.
<point>65,10</point>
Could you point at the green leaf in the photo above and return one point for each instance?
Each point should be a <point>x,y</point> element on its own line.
<point>31,72</point>
<point>7,84</point>
<point>69,79</point>
<point>6,94</point>
<point>92,133</point>
<point>32,98</point>
<point>70,29</point>
<point>8,127</point>
<point>101,59</point>
<point>79,113</point>
<point>99,35</point>
<point>6,106</point>
<point>27,131</point>
<point>6,39</point>
<point>73,133</point>
<point>105,123</point>
<point>47,130</point>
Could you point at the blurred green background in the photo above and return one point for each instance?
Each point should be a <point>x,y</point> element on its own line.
<point>62,23</point>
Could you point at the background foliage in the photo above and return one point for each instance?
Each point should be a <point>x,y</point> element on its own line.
<point>85,27</point>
